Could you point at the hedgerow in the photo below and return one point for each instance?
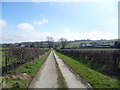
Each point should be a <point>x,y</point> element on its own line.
<point>16,56</point>
<point>104,61</point>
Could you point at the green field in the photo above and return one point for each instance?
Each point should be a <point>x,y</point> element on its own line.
<point>2,48</point>
<point>77,44</point>
<point>96,79</point>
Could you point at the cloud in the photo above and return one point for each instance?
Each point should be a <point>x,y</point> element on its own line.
<point>44,20</point>
<point>66,32</point>
<point>93,35</point>
<point>3,23</point>
<point>25,27</point>
<point>97,34</point>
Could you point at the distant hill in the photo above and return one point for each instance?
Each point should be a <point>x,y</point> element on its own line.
<point>79,43</point>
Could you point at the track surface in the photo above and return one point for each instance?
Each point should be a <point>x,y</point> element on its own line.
<point>47,75</point>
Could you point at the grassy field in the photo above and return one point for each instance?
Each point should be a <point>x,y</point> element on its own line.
<point>96,79</point>
<point>30,69</point>
<point>77,44</point>
<point>1,48</point>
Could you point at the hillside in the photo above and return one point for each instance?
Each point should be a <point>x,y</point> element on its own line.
<point>78,43</point>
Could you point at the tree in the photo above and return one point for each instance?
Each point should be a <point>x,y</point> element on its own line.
<point>50,41</point>
<point>32,45</point>
<point>63,42</point>
<point>117,44</point>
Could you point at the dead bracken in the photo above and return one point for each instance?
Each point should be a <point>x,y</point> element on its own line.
<point>18,75</point>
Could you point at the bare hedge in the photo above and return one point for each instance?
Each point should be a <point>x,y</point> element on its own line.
<point>16,56</point>
<point>104,61</point>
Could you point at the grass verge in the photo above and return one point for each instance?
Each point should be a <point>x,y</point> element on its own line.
<point>60,79</point>
<point>29,69</point>
<point>96,79</point>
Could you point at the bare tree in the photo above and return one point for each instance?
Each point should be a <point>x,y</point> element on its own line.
<point>63,42</point>
<point>50,41</point>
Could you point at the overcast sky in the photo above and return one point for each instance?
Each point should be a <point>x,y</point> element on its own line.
<point>33,21</point>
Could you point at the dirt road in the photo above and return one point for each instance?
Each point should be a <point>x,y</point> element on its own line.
<point>47,75</point>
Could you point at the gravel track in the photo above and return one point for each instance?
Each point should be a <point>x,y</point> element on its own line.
<point>47,75</point>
